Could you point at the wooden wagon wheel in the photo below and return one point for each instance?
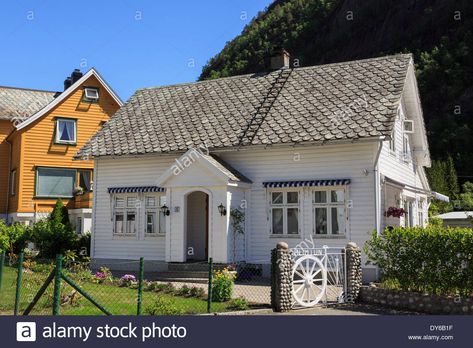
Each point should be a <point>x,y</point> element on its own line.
<point>309,280</point>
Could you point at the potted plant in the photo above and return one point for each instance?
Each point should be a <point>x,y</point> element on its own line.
<point>78,191</point>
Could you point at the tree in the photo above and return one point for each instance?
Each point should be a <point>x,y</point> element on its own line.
<point>59,214</point>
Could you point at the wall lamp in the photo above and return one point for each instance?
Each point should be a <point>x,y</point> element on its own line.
<point>165,210</point>
<point>222,210</point>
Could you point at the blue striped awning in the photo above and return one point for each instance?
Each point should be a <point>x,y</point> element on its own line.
<point>130,189</point>
<point>301,183</point>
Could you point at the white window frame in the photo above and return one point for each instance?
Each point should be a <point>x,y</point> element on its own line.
<point>284,206</point>
<point>57,135</point>
<point>91,94</point>
<point>328,205</point>
<point>156,209</point>
<point>408,129</point>
<point>125,211</point>
<point>392,142</point>
<point>406,148</point>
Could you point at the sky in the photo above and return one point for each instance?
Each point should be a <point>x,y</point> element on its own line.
<point>133,44</point>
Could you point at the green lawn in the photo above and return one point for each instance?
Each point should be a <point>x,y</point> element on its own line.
<point>117,300</point>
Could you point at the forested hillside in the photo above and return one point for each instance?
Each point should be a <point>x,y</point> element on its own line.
<point>438,32</point>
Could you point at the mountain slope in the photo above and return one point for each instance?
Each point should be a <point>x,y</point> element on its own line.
<point>438,32</point>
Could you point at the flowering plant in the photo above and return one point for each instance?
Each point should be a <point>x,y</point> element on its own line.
<point>395,212</point>
<point>127,280</point>
<point>103,275</point>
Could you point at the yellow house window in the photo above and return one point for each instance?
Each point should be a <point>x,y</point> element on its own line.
<point>66,131</point>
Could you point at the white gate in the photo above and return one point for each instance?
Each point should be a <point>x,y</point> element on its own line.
<point>319,274</point>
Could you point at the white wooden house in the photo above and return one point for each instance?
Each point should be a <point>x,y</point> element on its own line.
<point>315,154</point>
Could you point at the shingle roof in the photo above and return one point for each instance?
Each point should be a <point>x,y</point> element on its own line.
<point>350,100</point>
<point>19,104</point>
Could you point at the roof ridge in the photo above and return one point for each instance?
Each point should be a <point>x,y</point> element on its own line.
<point>29,89</point>
<point>191,83</point>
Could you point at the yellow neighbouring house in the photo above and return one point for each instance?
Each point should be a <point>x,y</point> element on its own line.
<point>40,131</point>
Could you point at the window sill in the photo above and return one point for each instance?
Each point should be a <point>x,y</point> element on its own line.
<point>65,144</point>
<point>52,197</point>
<point>124,236</point>
<point>155,235</point>
<point>284,236</point>
<point>329,236</point>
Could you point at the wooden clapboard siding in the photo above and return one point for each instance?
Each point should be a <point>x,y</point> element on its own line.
<point>39,148</point>
<point>5,129</point>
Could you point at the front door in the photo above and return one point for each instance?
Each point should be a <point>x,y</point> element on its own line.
<point>197,226</point>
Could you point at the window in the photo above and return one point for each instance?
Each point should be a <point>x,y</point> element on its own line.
<point>85,180</point>
<point>284,212</point>
<point>91,94</point>
<point>155,219</point>
<point>392,141</point>
<point>65,131</point>
<point>55,182</point>
<point>13,182</point>
<point>329,209</point>
<point>125,211</point>
<point>79,225</point>
<point>405,147</point>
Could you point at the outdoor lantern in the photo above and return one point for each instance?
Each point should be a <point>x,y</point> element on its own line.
<point>222,209</point>
<point>165,210</point>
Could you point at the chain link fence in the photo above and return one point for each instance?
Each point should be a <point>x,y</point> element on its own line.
<point>68,286</point>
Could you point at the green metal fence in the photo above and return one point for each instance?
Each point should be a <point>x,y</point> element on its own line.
<point>29,285</point>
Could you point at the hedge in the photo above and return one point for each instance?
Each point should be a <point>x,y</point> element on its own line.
<point>434,260</point>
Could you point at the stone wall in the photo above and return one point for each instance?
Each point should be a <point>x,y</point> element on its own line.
<point>417,302</point>
<point>281,278</point>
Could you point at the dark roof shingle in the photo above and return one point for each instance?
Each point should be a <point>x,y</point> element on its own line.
<point>350,100</point>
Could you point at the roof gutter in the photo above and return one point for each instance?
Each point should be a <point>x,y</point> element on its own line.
<point>248,147</point>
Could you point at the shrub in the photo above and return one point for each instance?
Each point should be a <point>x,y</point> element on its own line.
<point>222,285</point>
<point>167,288</point>
<point>238,304</point>
<point>434,259</point>
<point>14,238</point>
<point>53,238</point>
<point>59,215</point>
<point>163,306</point>
<point>183,291</point>
<point>196,292</point>
<point>83,244</point>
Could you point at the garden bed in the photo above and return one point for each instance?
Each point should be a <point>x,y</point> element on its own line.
<point>158,298</point>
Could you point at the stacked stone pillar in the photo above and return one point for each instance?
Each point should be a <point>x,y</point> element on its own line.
<point>354,275</point>
<point>281,278</point>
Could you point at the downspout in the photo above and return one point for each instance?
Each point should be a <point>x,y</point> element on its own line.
<point>9,172</point>
<point>377,195</point>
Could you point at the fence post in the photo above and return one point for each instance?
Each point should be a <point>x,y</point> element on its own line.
<point>2,262</point>
<point>354,271</point>
<point>281,278</point>
<point>140,286</point>
<point>18,284</point>
<point>57,285</point>
<point>209,291</point>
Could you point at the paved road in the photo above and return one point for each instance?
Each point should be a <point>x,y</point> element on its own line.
<point>337,309</point>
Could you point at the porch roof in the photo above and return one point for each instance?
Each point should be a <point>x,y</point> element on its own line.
<point>300,183</point>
